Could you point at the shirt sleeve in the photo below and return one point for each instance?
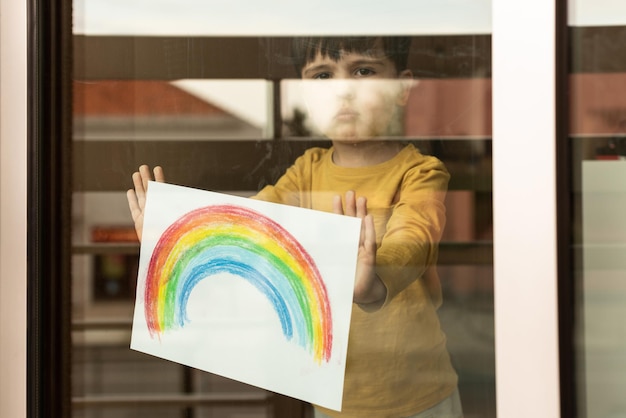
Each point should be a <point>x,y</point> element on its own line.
<point>410,244</point>
<point>286,190</point>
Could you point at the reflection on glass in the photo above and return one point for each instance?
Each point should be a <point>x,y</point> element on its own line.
<point>227,124</point>
<point>598,143</point>
<point>109,110</point>
<point>200,18</point>
<point>448,108</point>
<point>372,101</point>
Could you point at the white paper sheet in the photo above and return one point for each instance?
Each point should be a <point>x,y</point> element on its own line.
<point>250,290</point>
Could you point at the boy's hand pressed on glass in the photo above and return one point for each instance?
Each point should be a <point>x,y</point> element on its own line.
<point>368,288</point>
<point>137,196</point>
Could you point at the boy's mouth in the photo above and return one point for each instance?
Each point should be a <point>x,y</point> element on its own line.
<point>346,115</point>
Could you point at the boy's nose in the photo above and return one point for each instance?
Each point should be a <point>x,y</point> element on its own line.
<point>344,88</point>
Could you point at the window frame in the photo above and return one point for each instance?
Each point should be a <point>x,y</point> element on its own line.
<point>531,58</point>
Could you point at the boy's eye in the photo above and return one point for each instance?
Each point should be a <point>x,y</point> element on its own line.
<point>364,72</point>
<point>321,76</point>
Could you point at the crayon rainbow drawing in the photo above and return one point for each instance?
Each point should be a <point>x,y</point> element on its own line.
<point>228,238</point>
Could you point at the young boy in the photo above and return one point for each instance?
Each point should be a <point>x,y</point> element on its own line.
<point>355,90</point>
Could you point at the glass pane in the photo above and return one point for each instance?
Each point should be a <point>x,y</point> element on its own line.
<point>227,111</point>
<point>598,142</point>
<point>153,110</point>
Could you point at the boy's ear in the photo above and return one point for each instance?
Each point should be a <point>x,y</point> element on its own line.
<point>407,83</point>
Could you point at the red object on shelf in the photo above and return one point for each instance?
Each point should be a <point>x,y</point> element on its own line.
<point>114,234</point>
<point>609,157</point>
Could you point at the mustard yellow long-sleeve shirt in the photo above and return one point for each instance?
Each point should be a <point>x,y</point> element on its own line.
<point>397,363</point>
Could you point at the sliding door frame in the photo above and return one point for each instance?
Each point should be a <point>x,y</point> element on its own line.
<point>526,124</point>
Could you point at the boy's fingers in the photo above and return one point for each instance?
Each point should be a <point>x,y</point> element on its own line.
<point>353,206</point>
<point>133,204</point>
<point>350,208</point>
<point>158,174</point>
<point>144,170</point>
<point>361,207</point>
<point>362,233</point>
<point>369,241</point>
<point>337,206</point>
<point>138,184</point>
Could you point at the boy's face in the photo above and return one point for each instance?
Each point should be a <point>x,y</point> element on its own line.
<point>357,97</point>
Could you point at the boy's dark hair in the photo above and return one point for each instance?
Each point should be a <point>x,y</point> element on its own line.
<point>304,50</point>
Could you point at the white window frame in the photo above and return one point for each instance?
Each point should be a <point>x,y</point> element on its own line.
<point>524,196</point>
<point>13,154</point>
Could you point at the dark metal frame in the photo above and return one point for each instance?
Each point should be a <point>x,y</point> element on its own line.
<point>49,152</point>
<point>566,282</point>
